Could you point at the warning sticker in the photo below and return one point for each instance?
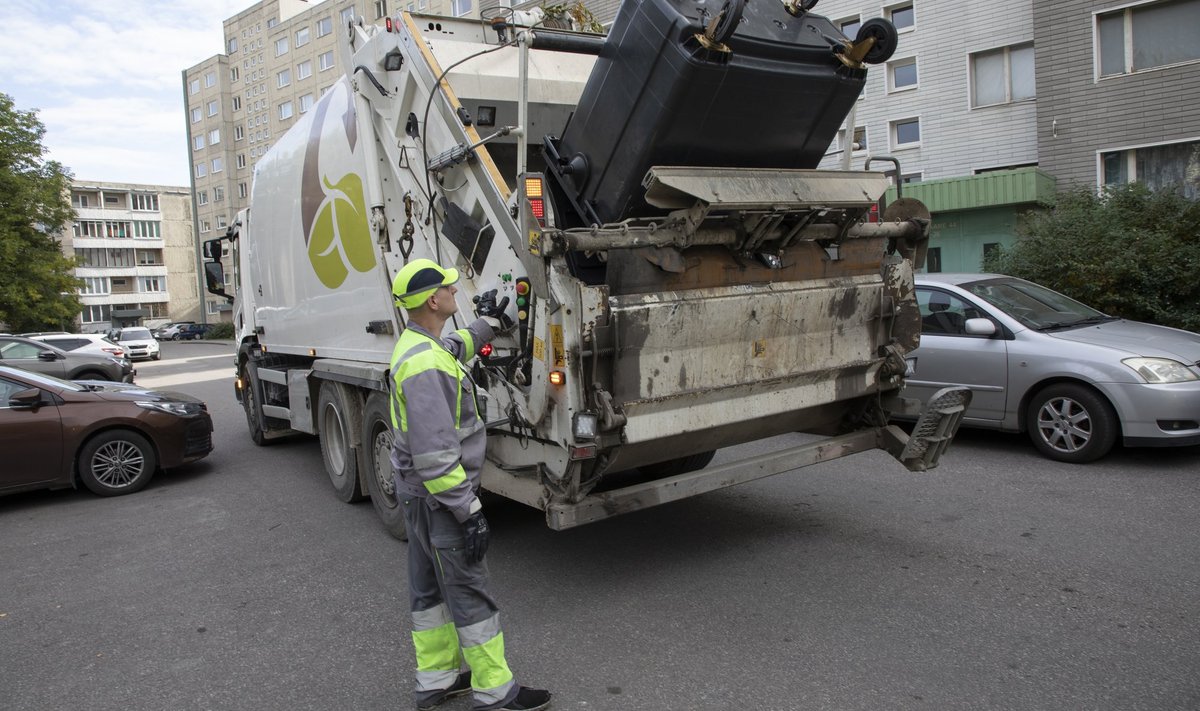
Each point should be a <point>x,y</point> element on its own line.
<point>556,341</point>
<point>539,349</point>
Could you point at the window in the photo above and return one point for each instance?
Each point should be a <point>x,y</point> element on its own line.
<point>860,139</point>
<point>197,142</point>
<point>194,86</point>
<point>93,230</point>
<point>285,110</point>
<point>324,26</point>
<point>304,69</point>
<point>906,133</point>
<point>97,313</point>
<point>233,74</point>
<point>210,79</point>
<point>213,107</point>
<point>147,202</point>
<point>95,286</point>
<point>933,260</point>
<point>241,160</point>
<point>849,26</point>
<point>1001,76</point>
<point>237,103</point>
<point>143,229</point>
<point>902,74</point>
<point>202,197</point>
<point>325,61</point>
<point>221,224</point>
<point>242,191</point>
<point>421,4</point>
<point>281,46</point>
<point>942,313</point>
<point>196,116</point>
<point>201,170</point>
<point>902,16</point>
<point>302,37</point>
<point>347,15</point>
<point>79,200</point>
<point>1147,36</point>
<point>271,22</point>
<point>214,137</point>
<point>151,284</point>
<point>217,166</point>
<point>380,8</point>
<point>231,45</point>
<point>306,102</point>
<point>116,230</point>
<point>283,78</point>
<point>459,8</point>
<point>1174,165</point>
<point>205,226</point>
<point>218,194</point>
<point>238,132</point>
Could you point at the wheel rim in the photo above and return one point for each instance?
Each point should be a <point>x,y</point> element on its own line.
<point>382,459</point>
<point>334,433</point>
<point>118,465</point>
<point>1064,425</point>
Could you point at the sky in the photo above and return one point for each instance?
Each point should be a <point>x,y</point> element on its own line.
<point>106,79</point>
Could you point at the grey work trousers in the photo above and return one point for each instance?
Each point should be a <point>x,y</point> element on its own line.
<point>454,615</point>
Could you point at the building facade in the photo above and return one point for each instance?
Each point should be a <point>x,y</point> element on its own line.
<point>136,251</point>
<point>280,56</point>
<point>1118,90</point>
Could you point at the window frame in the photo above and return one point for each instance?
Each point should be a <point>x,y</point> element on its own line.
<point>891,74</point>
<point>1127,44</point>
<point>1006,51</point>
<point>894,133</point>
<point>889,10</point>
<point>1131,158</point>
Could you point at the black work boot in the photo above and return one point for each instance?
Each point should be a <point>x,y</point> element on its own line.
<point>528,700</point>
<point>462,685</point>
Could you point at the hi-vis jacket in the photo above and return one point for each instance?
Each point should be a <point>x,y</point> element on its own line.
<point>439,436</point>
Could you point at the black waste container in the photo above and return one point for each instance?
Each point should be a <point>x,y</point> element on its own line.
<point>657,96</point>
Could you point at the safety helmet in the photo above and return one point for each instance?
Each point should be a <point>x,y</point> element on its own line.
<point>417,280</point>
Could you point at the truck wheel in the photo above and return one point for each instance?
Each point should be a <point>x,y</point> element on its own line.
<point>377,464</point>
<point>117,462</point>
<point>1069,422</point>
<point>333,431</point>
<point>682,465</point>
<point>250,405</point>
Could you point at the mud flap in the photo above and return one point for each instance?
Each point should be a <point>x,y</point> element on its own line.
<point>933,432</point>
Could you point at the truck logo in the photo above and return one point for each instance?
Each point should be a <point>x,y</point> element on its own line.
<point>334,214</point>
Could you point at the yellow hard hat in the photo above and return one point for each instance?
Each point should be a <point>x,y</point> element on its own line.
<point>417,280</point>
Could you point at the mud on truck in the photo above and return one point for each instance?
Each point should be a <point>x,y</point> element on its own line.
<point>682,277</point>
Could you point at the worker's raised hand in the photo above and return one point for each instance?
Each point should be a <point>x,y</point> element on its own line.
<point>478,535</point>
<point>494,313</point>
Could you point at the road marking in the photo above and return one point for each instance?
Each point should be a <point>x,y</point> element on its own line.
<point>163,381</point>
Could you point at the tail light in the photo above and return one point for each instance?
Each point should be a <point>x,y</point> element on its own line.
<point>535,193</point>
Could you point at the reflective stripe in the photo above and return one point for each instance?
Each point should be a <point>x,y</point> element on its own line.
<point>468,342</point>
<point>432,618</point>
<point>443,457</point>
<point>472,428</point>
<point>490,676</point>
<point>437,649</point>
<point>436,680</point>
<point>480,632</point>
<point>420,363</point>
<point>446,482</point>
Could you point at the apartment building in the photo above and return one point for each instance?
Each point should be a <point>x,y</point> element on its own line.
<point>1117,91</point>
<point>279,57</point>
<point>137,254</point>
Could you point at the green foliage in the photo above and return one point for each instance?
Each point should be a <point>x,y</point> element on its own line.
<point>1129,251</point>
<point>37,289</point>
<point>222,330</point>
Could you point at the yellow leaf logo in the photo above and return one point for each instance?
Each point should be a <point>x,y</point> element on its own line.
<point>341,233</point>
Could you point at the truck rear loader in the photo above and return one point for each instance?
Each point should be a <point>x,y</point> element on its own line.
<point>682,278</point>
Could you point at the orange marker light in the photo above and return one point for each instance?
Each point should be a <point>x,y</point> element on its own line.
<point>533,187</point>
<point>557,377</point>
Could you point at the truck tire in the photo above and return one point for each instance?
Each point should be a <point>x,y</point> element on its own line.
<point>252,397</point>
<point>334,433</point>
<point>1070,422</point>
<point>116,462</point>
<point>377,464</point>
<point>681,465</point>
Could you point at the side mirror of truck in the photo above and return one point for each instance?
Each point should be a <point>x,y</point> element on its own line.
<point>212,249</point>
<point>214,278</point>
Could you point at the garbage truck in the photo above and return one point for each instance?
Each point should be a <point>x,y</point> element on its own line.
<point>644,205</point>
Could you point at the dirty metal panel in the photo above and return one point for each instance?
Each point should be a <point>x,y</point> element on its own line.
<point>746,188</point>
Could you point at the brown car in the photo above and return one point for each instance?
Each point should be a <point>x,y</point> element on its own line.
<point>110,436</point>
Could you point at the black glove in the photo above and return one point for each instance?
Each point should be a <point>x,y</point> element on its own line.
<point>478,535</point>
<point>486,307</point>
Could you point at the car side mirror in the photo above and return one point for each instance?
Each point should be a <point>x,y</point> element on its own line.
<point>48,356</point>
<point>980,327</point>
<point>26,399</point>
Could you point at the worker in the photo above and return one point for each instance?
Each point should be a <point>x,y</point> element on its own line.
<point>437,457</point>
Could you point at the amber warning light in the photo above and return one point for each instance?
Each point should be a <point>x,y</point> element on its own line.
<point>537,200</point>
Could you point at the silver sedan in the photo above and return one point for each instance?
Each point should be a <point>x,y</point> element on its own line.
<point>1039,362</point>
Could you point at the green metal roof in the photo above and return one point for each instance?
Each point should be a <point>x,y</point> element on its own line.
<point>993,189</point>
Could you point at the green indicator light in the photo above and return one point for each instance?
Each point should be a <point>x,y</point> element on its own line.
<point>520,301</point>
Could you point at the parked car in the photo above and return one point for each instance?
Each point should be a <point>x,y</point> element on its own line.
<point>192,332</point>
<point>94,343</point>
<point>111,437</point>
<point>1075,379</point>
<point>138,343</point>
<point>29,354</point>
<point>170,332</point>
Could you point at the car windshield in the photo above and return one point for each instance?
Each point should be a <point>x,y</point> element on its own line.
<point>136,334</point>
<point>48,381</point>
<point>1036,307</point>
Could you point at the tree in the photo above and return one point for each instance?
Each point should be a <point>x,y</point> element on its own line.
<point>37,288</point>
<point>1128,251</point>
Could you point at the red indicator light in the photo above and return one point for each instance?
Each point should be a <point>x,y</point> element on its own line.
<point>486,350</point>
<point>539,208</point>
<point>522,287</point>
<point>388,24</point>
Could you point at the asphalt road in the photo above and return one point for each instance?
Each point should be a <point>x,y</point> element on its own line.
<point>999,581</point>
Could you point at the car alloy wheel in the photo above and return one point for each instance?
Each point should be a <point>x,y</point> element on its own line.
<point>1071,423</point>
<point>117,462</point>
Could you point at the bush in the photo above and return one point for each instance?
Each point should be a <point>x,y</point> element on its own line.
<point>220,330</point>
<point>1128,251</point>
